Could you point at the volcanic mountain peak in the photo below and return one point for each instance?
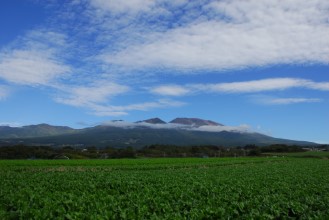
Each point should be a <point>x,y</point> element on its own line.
<point>180,132</point>
<point>195,122</point>
<point>154,121</point>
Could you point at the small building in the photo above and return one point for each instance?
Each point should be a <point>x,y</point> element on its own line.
<point>61,157</point>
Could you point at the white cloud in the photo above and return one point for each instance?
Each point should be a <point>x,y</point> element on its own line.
<point>170,90</point>
<point>92,97</point>
<point>119,6</point>
<point>10,124</point>
<point>254,86</point>
<point>206,128</point>
<point>286,101</point>
<point>257,85</point>
<point>273,100</point>
<point>30,67</point>
<point>237,34</point>
<point>119,124</point>
<point>43,38</point>
<point>264,12</point>
<point>124,124</point>
<point>34,59</point>
<point>129,125</point>
<point>324,86</point>
<point>181,35</point>
<point>113,110</point>
<point>97,96</point>
<point>98,92</point>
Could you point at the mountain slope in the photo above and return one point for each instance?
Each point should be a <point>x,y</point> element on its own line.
<point>140,136</point>
<point>153,121</point>
<point>40,130</point>
<point>196,122</point>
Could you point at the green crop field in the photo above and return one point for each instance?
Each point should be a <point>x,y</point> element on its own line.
<point>187,188</point>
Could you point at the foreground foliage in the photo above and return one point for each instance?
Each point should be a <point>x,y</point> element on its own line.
<point>194,188</point>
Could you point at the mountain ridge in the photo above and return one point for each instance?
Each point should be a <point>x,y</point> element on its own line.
<point>153,121</point>
<point>38,130</point>
<point>187,132</point>
<point>194,122</point>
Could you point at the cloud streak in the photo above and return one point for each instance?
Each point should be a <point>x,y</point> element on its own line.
<point>130,125</point>
<point>287,101</point>
<point>170,90</point>
<point>254,86</point>
<point>10,124</point>
<point>96,98</point>
<point>98,92</point>
<point>114,110</point>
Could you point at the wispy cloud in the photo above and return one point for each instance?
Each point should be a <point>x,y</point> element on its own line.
<point>272,100</point>
<point>170,90</point>
<point>30,67</point>
<point>129,125</point>
<point>98,92</point>
<point>91,96</point>
<point>125,124</point>
<point>34,59</point>
<point>104,45</point>
<point>11,124</point>
<point>124,7</point>
<point>39,59</point>
<point>97,97</point>
<point>287,101</point>
<point>241,128</point>
<point>254,86</point>
<point>235,34</point>
<point>324,86</point>
<point>113,110</point>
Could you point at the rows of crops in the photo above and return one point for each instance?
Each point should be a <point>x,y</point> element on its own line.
<point>261,188</point>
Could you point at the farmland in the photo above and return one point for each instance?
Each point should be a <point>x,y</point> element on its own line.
<point>185,188</point>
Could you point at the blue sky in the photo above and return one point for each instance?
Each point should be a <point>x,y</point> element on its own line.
<point>257,64</point>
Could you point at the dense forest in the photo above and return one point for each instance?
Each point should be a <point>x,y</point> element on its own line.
<point>69,152</point>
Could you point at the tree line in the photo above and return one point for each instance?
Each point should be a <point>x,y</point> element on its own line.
<point>46,152</point>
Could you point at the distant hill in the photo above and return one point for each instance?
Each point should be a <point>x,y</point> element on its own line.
<point>40,130</point>
<point>179,132</point>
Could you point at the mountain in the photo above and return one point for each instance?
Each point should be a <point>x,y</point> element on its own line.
<point>40,130</point>
<point>196,122</point>
<point>153,121</point>
<point>179,132</point>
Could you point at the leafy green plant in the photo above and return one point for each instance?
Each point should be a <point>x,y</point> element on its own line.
<point>188,188</point>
